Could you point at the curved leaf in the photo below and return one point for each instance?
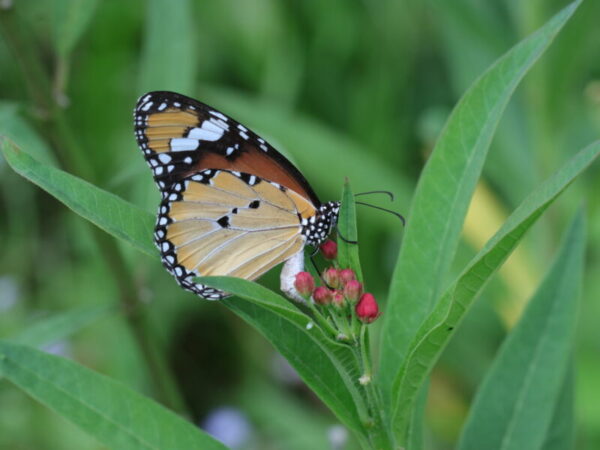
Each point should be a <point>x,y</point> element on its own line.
<point>443,194</point>
<point>328,367</point>
<point>109,212</point>
<point>514,407</point>
<point>436,331</point>
<point>111,412</point>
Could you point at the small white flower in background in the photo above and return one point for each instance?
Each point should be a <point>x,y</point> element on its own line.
<point>337,436</point>
<point>10,292</point>
<point>228,425</point>
<point>58,348</point>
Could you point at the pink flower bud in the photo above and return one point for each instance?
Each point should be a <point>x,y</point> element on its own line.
<point>304,284</point>
<point>347,275</point>
<point>353,290</point>
<point>338,299</point>
<point>329,249</point>
<point>367,309</point>
<point>322,295</point>
<point>332,277</point>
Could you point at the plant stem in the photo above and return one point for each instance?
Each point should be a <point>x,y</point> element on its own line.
<point>320,319</point>
<point>378,434</point>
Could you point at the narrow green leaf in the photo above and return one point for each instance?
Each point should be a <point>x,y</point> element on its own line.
<point>109,212</point>
<point>436,331</point>
<point>71,18</point>
<point>515,404</point>
<point>328,367</point>
<point>14,127</point>
<point>443,194</point>
<point>170,56</point>
<point>561,432</point>
<point>111,412</point>
<point>348,251</point>
<point>60,326</point>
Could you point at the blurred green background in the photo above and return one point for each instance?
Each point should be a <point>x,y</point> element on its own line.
<point>344,88</point>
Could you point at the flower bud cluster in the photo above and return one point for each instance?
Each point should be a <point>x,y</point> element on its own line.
<point>341,293</point>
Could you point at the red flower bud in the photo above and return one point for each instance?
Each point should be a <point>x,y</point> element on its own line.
<point>353,290</point>
<point>304,284</point>
<point>329,249</point>
<point>347,275</point>
<point>338,299</point>
<point>367,309</point>
<point>322,295</point>
<point>332,277</point>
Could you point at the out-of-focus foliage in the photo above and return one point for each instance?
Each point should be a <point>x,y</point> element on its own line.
<point>361,89</point>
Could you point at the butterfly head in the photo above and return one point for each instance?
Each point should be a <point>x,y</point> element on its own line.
<point>318,227</point>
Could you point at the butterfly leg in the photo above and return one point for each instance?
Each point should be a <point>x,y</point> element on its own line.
<point>288,275</point>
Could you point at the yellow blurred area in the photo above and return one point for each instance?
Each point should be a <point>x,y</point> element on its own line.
<point>485,216</point>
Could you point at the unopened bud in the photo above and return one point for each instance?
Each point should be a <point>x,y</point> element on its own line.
<point>347,275</point>
<point>332,277</point>
<point>322,295</point>
<point>338,299</point>
<point>367,309</point>
<point>353,290</point>
<point>329,249</point>
<point>304,284</point>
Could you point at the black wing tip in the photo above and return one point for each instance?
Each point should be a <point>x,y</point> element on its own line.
<point>158,96</point>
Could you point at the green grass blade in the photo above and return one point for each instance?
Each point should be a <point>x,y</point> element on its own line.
<point>329,368</point>
<point>561,432</point>
<point>70,19</point>
<point>436,331</point>
<point>60,326</point>
<point>513,409</point>
<point>347,251</point>
<point>169,57</point>
<point>109,212</point>
<point>111,412</point>
<point>443,194</point>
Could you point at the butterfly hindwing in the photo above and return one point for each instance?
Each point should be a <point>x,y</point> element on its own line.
<point>181,136</point>
<point>219,222</point>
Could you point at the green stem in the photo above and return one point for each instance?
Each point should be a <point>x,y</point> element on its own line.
<point>320,319</point>
<point>378,434</point>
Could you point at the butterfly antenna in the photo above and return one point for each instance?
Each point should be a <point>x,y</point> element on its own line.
<point>388,193</point>
<point>398,215</point>
<point>347,241</point>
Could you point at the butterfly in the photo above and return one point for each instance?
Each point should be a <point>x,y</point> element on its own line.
<point>231,204</point>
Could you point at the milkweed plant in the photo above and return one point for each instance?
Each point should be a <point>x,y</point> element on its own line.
<point>368,359</point>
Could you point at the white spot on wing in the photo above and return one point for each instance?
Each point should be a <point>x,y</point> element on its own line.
<point>184,144</point>
<point>162,106</point>
<point>209,131</point>
<point>147,106</point>
<point>164,158</point>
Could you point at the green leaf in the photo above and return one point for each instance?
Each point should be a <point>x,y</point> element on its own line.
<point>514,407</point>
<point>443,194</point>
<point>59,326</point>
<point>347,251</point>
<point>109,212</point>
<point>111,412</point>
<point>71,18</point>
<point>561,432</point>
<point>14,127</point>
<point>436,331</point>
<point>328,367</point>
<point>170,56</point>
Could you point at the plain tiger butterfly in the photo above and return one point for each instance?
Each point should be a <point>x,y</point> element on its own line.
<point>231,204</point>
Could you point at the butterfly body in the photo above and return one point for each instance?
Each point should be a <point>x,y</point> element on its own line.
<point>231,204</point>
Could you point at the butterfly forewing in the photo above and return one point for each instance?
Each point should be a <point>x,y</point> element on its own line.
<point>181,136</point>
